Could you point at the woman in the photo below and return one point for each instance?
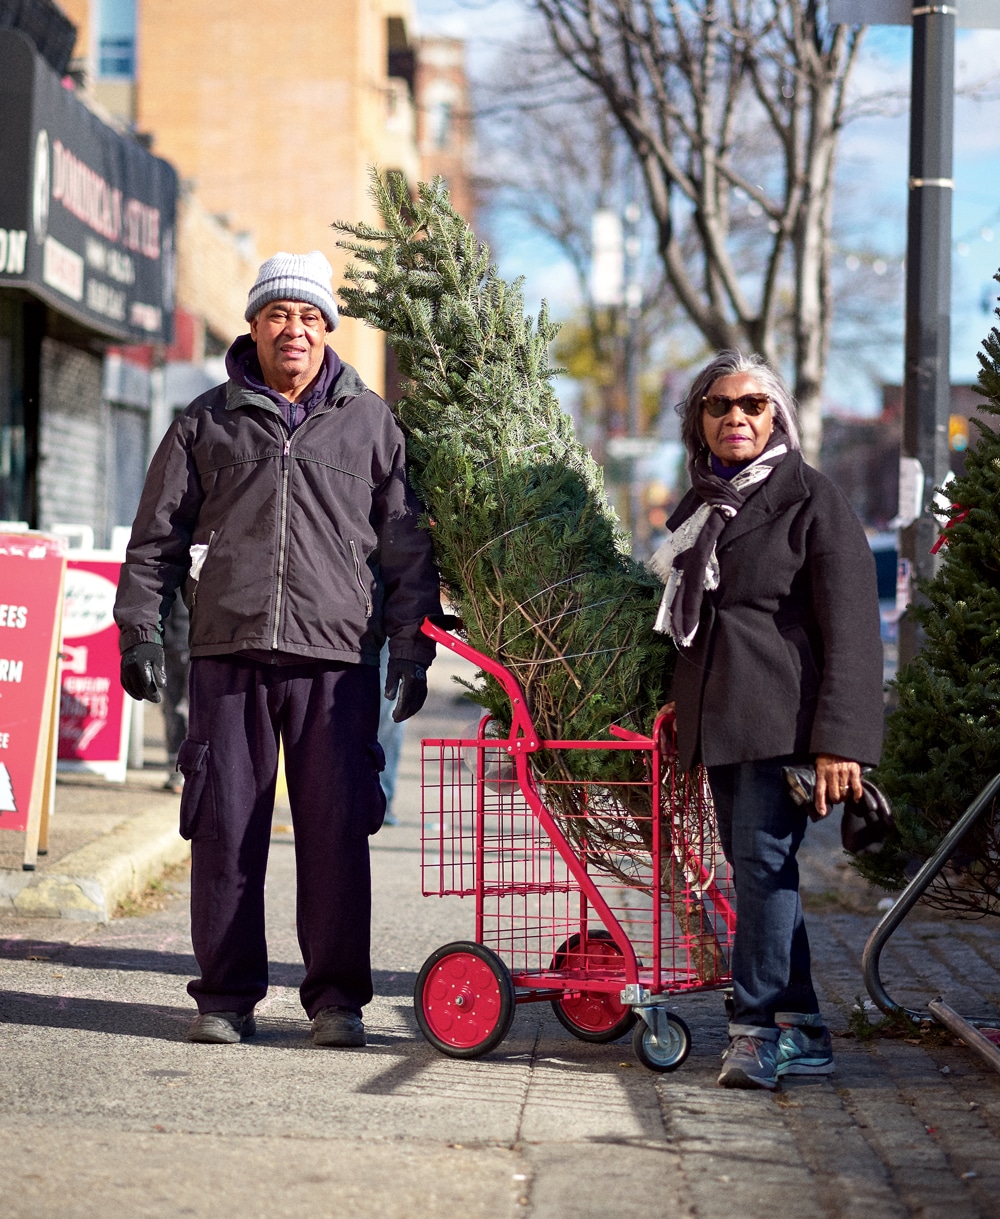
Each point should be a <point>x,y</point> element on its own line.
<point>771,599</point>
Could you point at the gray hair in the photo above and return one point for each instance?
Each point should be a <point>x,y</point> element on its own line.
<point>725,364</point>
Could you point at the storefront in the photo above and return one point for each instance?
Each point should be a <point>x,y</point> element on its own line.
<point>87,222</point>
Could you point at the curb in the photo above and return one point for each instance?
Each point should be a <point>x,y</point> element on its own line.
<point>88,884</point>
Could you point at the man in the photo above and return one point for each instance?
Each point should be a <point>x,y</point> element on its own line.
<point>280,502</point>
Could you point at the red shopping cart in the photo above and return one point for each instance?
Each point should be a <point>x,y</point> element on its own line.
<point>606,926</point>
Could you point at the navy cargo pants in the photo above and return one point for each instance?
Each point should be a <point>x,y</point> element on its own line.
<point>326,714</point>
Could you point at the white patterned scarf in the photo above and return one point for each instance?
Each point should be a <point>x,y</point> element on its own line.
<point>686,561</point>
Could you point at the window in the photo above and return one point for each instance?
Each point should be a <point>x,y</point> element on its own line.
<point>441,118</point>
<point>116,40</point>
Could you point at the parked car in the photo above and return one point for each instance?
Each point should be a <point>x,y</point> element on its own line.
<point>885,548</point>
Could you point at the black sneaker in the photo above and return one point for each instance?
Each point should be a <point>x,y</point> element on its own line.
<point>221,1028</point>
<point>338,1026</point>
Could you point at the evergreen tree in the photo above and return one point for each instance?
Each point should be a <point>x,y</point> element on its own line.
<point>943,740</point>
<point>530,553</point>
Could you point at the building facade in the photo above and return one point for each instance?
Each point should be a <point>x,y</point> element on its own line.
<point>445,127</point>
<point>260,132</point>
<point>87,242</point>
<point>273,123</point>
<point>861,455</point>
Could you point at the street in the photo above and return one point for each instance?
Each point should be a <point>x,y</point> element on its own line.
<point>105,1108</point>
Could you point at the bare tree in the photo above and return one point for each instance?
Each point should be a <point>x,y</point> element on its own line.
<point>733,110</point>
<point>553,155</point>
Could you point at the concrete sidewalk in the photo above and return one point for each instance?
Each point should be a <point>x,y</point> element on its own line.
<point>543,1127</point>
<point>107,841</point>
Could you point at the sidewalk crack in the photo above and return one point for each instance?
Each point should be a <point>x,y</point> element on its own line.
<point>532,1061</point>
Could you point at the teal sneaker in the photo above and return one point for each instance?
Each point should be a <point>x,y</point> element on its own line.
<point>749,1062</point>
<point>804,1045</point>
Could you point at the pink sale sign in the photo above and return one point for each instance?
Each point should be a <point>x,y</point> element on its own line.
<point>31,573</point>
<point>93,715</point>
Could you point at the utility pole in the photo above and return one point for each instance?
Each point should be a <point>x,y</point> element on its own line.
<point>607,291</point>
<point>924,462</point>
<point>927,370</point>
<point>615,283</point>
<point>638,526</point>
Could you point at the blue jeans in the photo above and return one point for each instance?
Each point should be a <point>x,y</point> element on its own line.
<point>761,829</point>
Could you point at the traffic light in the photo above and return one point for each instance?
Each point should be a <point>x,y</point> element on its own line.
<point>958,433</point>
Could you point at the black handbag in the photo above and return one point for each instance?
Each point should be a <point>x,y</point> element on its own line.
<point>866,822</point>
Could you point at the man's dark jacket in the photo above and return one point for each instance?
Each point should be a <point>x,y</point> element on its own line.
<point>787,658</point>
<point>311,540</point>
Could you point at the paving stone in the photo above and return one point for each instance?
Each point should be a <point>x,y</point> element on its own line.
<point>93,1064</point>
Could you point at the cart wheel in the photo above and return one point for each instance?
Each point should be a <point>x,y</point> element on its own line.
<point>464,1000</point>
<point>665,1053</point>
<point>591,1015</point>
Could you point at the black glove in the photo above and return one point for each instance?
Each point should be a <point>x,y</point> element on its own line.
<point>410,679</point>
<point>143,674</point>
<point>867,822</point>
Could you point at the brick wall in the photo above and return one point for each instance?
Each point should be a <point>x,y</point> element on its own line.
<point>215,268</point>
<point>274,122</point>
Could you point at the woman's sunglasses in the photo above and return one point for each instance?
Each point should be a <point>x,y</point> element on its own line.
<point>718,405</point>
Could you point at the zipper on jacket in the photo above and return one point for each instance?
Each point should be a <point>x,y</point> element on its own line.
<point>282,540</point>
<point>361,583</point>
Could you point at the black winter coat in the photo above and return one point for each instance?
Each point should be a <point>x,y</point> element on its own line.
<point>787,659</point>
<point>312,544</point>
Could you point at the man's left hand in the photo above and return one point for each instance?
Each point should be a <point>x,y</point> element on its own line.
<point>410,679</point>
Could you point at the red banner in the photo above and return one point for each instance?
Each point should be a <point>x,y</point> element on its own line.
<point>93,714</point>
<point>31,574</point>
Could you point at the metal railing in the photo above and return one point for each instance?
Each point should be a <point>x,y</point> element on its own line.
<point>963,1027</point>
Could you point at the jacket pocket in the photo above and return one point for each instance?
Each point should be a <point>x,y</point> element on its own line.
<point>198,816</point>
<point>377,813</point>
<point>197,553</point>
<point>358,568</point>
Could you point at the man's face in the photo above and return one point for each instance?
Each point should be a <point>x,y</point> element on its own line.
<point>291,339</point>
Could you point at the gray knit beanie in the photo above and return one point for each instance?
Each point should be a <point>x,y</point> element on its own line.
<point>295,277</point>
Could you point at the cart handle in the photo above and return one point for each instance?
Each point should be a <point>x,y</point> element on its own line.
<point>626,734</point>
<point>523,737</point>
<point>664,731</point>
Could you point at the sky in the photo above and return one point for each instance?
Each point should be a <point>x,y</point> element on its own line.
<point>874,157</point>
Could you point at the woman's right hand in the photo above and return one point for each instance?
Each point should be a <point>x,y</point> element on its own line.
<point>836,779</point>
<point>667,727</point>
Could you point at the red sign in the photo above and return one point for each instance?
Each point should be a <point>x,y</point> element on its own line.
<point>93,715</point>
<point>31,574</point>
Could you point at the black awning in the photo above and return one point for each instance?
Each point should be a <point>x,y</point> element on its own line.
<point>86,213</point>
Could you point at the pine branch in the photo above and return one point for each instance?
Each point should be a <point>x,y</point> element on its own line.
<point>530,553</point>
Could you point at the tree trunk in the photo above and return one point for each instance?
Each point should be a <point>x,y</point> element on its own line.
<point>733,110</point>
